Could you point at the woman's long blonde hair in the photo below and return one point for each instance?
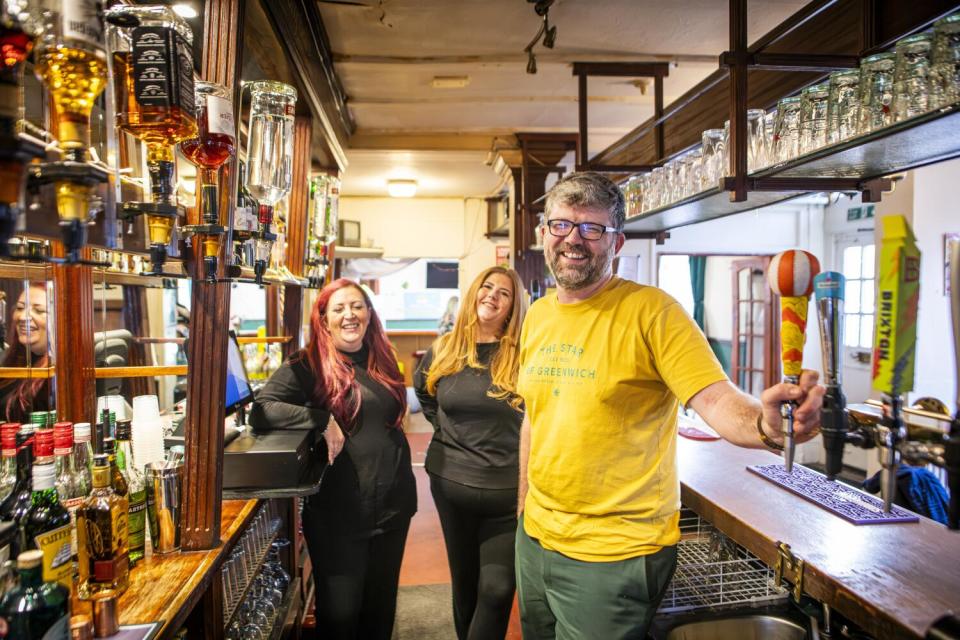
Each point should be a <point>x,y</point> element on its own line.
<point>458,349</point>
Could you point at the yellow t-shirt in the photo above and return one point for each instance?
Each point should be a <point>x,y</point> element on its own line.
<point>602,380</point>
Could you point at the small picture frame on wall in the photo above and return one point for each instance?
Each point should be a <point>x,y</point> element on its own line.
<point>349,233</point>
<point>947,239</point>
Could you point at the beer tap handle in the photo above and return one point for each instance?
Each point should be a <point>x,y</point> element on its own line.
<point>828,287</point>
<point>790,276</point>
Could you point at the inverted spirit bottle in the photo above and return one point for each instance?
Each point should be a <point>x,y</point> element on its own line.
<point>136,491</point>
<point>102,538</point>
<point>269,158</point>
<point>152,56</point>
<point>35,609</point>
<point>215,143</point>
<point>46,526</point>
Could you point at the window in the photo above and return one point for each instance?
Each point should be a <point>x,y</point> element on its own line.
<point>406,299</point>
<point>857,260</point>
<point>673,276</point>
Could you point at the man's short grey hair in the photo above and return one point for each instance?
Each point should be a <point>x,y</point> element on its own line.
<point>589,190</point>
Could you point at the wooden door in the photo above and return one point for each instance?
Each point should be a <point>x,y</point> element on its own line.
<point>756,334</point>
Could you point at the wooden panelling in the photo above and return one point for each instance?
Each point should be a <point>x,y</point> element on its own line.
<point>298,212</point>
<point>292,318</point>
<point>210,307</point>
<point>74,366</point>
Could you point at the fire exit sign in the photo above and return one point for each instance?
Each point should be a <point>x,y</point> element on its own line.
<point>859,213</point>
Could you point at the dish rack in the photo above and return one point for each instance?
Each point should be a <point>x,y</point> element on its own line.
<point>713,571</point>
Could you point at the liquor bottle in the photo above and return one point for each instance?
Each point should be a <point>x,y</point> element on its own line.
<point>35,609</point>
<point>117,481</point>
<point>46,525</point>
<point>215,144</point>
<point>83,455</point>
<point>137,491</point>
<point>72,484</point>
<point>8,461</point>
<point>18,502</point>
<point>102,537</point>
<point>153,80</point>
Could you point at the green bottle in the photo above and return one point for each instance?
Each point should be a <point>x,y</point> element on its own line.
<point>46,525</point>
<point>34,609</point>
<point>136,491</point>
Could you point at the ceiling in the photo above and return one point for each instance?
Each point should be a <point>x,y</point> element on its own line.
<point>387,53</point>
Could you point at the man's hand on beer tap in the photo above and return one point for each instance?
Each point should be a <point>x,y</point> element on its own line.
<point>808,398</point>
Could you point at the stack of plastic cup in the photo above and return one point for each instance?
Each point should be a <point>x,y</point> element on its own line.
<point>147,431</point>
<point>117,404</point>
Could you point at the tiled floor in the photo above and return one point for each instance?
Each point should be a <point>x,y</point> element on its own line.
<point>425,560</point>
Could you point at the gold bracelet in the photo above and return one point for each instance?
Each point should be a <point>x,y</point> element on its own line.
<point>764,438</point>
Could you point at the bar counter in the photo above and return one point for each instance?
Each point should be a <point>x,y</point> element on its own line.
<point>166,588</point>
<point>893,580</point>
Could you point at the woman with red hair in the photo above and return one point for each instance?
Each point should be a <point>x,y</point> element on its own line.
<point>30,346</point>
<point>346,382</point>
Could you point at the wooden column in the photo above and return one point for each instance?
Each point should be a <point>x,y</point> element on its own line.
<point>292,318</point>
<point>272,291</point>
<point>73,361</point>
<point>135,320</point>
<point>298,214</point>
<point>209,315</point>
<point>738,100</point>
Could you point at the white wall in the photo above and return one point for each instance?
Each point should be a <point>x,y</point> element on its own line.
<point>409,227</point>
<point>478,251</point>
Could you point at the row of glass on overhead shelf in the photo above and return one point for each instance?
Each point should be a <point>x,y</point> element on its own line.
<point>159,101</point>
<point>921,74</point>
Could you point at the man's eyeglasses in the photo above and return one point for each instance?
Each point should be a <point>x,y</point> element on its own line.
<point>588,230</point>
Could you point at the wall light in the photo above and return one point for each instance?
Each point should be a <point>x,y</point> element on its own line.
<point>402,188</point>
<point>185,10</point>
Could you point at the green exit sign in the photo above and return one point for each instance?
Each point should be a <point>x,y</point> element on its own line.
<point>859,213</point>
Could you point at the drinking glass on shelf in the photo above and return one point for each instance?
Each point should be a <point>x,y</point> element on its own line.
<point>756,140</point>
<point>646,192</point>
<point>694,183</point>
<point>876,92</point>
<point>713,157</point>
<point>786,129</point>
<point>660,191</point>
<point>843,106</point>
<point>911,76</point>
<point>671,173</point>
<point>945,73</point>
<point>630,195</point>
<point>813,117</point>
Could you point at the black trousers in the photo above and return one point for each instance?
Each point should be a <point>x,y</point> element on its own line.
<point>479,526</point>
<point>355,578</point>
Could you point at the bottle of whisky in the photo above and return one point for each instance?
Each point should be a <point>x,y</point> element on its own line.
<point>102,538</point>
<point>137,491</point>
<point>117,481</point>
<point>46,525</point>
<point>35,609</point>
<point>72,63</point>
<point>8,461</point>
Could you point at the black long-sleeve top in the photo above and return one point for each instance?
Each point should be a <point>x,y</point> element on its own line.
<point>370,487</point>
<point>476,438</point>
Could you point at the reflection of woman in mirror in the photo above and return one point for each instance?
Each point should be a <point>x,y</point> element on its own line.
<point>29,346</point>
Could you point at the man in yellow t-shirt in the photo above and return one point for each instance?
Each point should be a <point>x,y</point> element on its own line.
<point>604,365</point>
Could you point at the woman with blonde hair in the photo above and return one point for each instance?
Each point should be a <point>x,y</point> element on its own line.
<point>466,385</point>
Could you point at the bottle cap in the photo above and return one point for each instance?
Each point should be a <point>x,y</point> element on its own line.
<point>43,443</point>
<point>81,628</point>
<point>105,617</point>
<point>30,559</point>
<point>38,418</point>
<point>124,430</point>
<point>62,437</point>
<point>81,432</point>
<point>8,436</point>
<point>25,437</point>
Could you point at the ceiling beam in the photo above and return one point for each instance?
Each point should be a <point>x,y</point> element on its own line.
<point>469,99</point>
<point>566,57</point>
<point>433,141</point>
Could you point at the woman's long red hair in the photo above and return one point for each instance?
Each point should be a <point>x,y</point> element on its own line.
<point>337,387</point>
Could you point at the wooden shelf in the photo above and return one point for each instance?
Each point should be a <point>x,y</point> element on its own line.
<point>165,588</point>
<point>140,372</point>
<point>919,141</point>
<point>347,253</point>
<point>706,205</point>
<point>23,373</point>
<point>893,580</point>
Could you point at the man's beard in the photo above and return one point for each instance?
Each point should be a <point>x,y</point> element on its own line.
<point>576,277</point>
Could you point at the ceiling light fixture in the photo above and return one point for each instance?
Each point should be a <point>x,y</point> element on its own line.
<point>402,188</point>
<point>185,10</point>
<point>548,33</point>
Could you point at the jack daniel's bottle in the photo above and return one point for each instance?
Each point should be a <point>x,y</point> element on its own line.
<point>102,538</point>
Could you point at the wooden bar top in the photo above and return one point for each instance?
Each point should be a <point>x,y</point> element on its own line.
<point>165,588</point>
<point>894,580</point>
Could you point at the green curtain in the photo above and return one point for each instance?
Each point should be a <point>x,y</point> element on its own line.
<point>698,273</point>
